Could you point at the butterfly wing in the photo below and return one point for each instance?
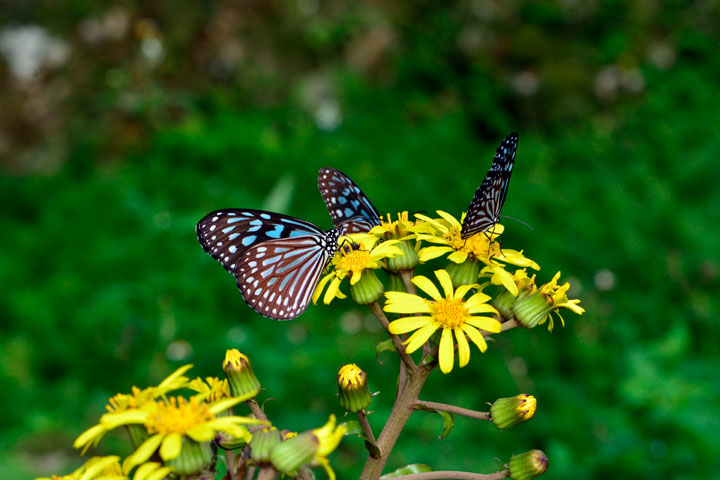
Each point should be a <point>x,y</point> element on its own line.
<point>350,209</point>
<point>277,278</point>
<point>227,234</point>
<point>484,210</point>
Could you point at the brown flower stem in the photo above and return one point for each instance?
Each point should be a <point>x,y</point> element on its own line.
<point>399,416</point>
<point>375,307</point>
<point>454,475</point>
<point>256,409</point>
<point>510,324</point>
<point>369,435</point>
<point>251,472</point>
<point>266,473</point>
<point>406,276</point>
<point>231,465</point>
<point>465,412</point>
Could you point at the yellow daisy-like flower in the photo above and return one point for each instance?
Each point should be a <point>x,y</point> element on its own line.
<point>538,307</point>
<point>449,313</point>
<point>178,418</point>
<point>401,229</point>
<point>329,437</point>
<point>210,389</point>
<point>108,468</point>
<point>481,246</point>
<point>356,259</point>
<point>137,399</point>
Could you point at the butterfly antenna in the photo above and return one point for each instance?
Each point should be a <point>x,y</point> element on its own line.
<point>519,221</point>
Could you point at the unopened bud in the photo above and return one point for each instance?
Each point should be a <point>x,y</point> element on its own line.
<point>352,385</point>
<point>528,465</point>
<point>507,412</point>
<point>240,374</point>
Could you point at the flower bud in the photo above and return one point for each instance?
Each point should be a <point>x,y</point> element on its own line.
<point>407,260</point>
<point>368,289</point>
<point>240,374</point>
<point>263,443</point>
<point>229,442</point>
<point>507,412</point>
<point>533,309</point>
<point>353,388</point>
<point>465,273</point>
<point>194,456</point>
<point>293,453</point>
<point>504,304</point>
<point>528,465</point>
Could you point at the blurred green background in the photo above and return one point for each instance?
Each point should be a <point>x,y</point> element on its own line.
<point>122,125</point>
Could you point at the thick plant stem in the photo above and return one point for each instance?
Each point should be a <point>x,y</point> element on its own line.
<point>399,416</point>
<point>466,412</point>
<point>377,310</point>
<point>455,476</point>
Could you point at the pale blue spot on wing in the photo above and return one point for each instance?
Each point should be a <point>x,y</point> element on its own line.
<point>233,220</point>
<point>228,229</point>
<point>272,282</point>
<point>349,212</point>
<point>342,200</point>
<point>247,241</point>
<point>233,236</point>
<point>276,232</point>
<point>265,216</point>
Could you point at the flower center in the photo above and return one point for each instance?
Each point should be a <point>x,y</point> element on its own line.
<point>178,416</point>
<point>354,261</point>
<point>449,313</point>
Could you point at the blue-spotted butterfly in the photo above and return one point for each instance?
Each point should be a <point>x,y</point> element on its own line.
<point>350,209</point>
<point>277,260</point>
<point>484,210</point>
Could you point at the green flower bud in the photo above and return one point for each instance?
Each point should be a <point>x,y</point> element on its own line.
<point>528,465</point>
<point>228,442</point>
<point>504,304</point>
<point>395,283</point>
<point>353,387</point>
<point>406,261</point>
<point>507,412</point>
<point>465,273</point>
<point>240,374</point>
<point>194,456</point>
<point>293,453</point>
<point>263,442</point>
<point>532,310</point>
<point>368,289</point>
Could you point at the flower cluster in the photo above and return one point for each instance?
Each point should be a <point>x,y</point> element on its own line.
<point>480,277</point>
<point>173,435</point>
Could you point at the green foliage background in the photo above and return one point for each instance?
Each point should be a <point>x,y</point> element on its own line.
<point>110,159</point>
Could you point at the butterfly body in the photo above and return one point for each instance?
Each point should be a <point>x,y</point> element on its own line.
<point>350,209</point>
<point>276,259</point>
<point>484,210</point>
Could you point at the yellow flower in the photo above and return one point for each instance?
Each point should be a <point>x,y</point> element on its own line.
<point>354,259</point>
<point>537,307</point>
<point>450,313</point>
<point>211,389</point>
<point>401,229</point>
<point>329,437</point>
<point>483,247</point>
<point>177,418</point>
<point>138,399</point>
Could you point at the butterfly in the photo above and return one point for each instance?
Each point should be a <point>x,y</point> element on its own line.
<point>276,259</point>
<point>350,209</point>
<point>484,210</point>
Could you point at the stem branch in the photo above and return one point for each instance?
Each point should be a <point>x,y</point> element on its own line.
<point>375,307</point>
<point>465,412</point>
<point>454,476</point>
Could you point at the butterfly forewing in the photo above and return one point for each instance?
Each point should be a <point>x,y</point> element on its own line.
<point>227,234</point>
<point>278,277</point>
<point>350,209</point>
<point>484,210</point>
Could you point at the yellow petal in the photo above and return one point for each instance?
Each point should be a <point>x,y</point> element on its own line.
<point>332,290</point>
<point>446,353</point>
<point>115,419</point>
<point>424,284</point>
<point>458,257</point>
<point>449,218</point>
<point>401,302</point>
<point>86,438</point>
<point>419,338</point>
<point>202,432</point>
<point>171,446</point>
<point>429,253</point>
<point>485,323</point>
<point>475,336</point>
<point>143,452</point>
<point>477,299</point>
<point>355,277</point>
<point>408,324</point>
<point>432,222</point>
<point>463,347</point>
<point>505,278</point>
<point>462,291</point>
<point>224,404</point>
<point>320,286</point>
<point>445,282</point>
<point>482,308</point>
<point>171,379</point>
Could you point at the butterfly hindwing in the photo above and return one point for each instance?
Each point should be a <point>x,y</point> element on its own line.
<point>351,210</point>
<point>277,278</point>
<point>484,210</point>
<point>226,234</point>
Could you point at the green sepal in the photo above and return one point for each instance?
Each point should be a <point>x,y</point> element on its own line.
<point>408,470</point>
<point>384,346</point>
